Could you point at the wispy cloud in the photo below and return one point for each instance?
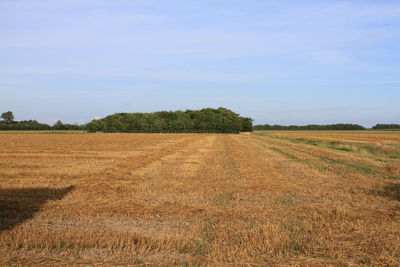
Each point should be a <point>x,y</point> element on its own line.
<point>332,57</point>
<point>265,50</point>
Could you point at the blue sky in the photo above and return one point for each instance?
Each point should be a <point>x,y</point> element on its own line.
<point>279,62</point>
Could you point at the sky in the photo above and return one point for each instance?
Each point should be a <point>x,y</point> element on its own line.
<point>278,62</point>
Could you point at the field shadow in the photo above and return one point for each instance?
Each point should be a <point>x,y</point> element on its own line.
<point>390,190</point>
<point>19,205</point>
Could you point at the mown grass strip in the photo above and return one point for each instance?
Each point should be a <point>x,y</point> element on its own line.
<point>355,166</point>
<point>386,152</point>
<point>284,153</point>
<point>336,132</point>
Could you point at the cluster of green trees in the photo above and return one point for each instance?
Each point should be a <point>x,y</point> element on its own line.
<point>310,127</point>
<point>386,126</point>
<point>61,126</point>
<point>207,120</point>
<point>24,125</point>
<point>8,123</point>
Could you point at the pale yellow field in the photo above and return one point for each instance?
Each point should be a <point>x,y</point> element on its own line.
<point>200,199</point>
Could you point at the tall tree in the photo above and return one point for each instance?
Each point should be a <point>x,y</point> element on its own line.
<point>59,125</point>
<point>8,116</point>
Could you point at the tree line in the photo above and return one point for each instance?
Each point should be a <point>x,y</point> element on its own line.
<point>207,120</point>
<point>386,127</point>
<point>310,127</point>
<point>8,123</point>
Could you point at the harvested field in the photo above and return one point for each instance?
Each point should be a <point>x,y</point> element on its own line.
<point>200,199</point>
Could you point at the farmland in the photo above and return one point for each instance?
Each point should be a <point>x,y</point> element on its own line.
<point>262,198</point>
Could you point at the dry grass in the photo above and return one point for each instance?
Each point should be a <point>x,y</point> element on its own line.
<point>198,199</point>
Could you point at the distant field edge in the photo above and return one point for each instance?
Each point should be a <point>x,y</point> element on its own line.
<point>333,131</point>
<point>100,132</point>
<point>42,132</point>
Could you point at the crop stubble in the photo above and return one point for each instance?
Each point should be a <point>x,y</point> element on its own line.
<point>196,199</point>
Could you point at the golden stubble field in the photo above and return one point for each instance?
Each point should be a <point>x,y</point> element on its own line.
<point>265,198</point>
